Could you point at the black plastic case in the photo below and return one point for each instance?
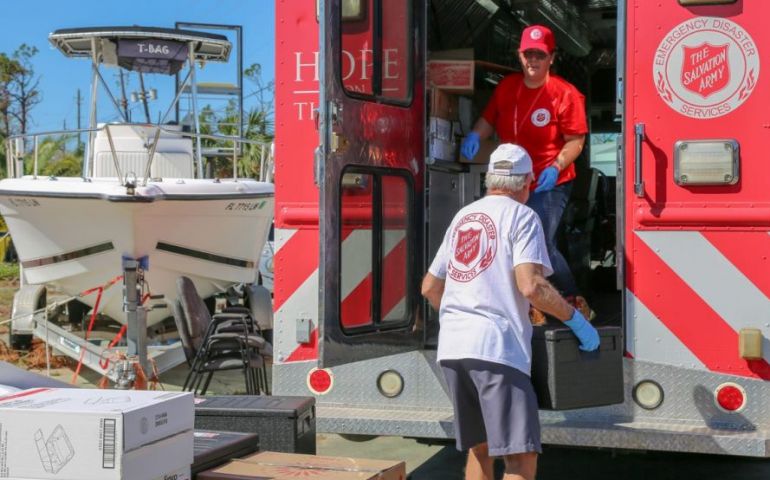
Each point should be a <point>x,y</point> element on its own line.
<point>565,377</point>
<point>284,424</point>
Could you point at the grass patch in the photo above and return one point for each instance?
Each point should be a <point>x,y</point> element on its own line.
<point>9,271</point>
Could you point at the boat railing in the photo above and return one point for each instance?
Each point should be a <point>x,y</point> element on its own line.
<point>17,152</point>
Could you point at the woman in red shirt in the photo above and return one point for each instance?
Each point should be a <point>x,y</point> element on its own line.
<point>545,114</point>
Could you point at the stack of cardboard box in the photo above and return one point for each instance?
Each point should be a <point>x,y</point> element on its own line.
<point>74,434</point>
<point>449,75</point>
<point>452,94</point>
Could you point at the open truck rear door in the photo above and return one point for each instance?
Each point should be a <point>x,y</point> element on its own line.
<point>371,175</point>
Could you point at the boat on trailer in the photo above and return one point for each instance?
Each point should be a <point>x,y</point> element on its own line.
<point>142,196</point>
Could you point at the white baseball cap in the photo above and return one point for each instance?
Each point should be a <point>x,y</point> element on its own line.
<point>510,159</point>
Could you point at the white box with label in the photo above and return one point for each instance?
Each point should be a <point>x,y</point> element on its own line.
<point>95,434</point>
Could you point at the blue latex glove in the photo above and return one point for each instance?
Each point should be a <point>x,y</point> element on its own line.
<point>470,146</point>
<point>584,331</point>
<point>547,179</point>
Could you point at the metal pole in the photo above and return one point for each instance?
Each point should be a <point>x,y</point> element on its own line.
<point>9,158</point>
<point>136,317</point>
<point>175,103</point>
<point>92,118</point>
<point>148,169</point>
<point>115,162</point>
<point>34,170</point>
<point>112,97</point>
<point>194,86</point>
<point>80,135</point>
<point>18,151</point>
<point>238,37</point>
<point>143,94</point>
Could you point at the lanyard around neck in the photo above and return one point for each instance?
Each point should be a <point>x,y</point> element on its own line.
<point>516,125</point>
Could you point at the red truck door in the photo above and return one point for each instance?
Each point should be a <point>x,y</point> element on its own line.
<point>372,175</point>
<point>696,182</point>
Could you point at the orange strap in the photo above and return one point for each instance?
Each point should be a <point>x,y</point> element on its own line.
<point>99,291</point>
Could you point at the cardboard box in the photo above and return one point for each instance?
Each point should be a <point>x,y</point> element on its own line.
<point>486,147</point>
<point>440,128</point>
<point>284,466</point>
<point>444,104</point>
<point>441,143</point>
<point>442,150</point>
<point>455,76</point>
<point>51,433</point>
<point>167,459</point>
<point>453,71</point>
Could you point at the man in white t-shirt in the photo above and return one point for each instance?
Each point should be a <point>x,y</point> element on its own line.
<point>490,267</point>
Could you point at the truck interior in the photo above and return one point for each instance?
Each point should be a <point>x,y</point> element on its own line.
<point>586,35</point>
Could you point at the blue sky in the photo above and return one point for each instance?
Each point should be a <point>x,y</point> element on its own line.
<point>30,22</point>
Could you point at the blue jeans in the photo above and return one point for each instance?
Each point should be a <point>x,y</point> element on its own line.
<point>549,206</point>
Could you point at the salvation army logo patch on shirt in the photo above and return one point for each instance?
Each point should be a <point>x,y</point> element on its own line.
<point>474,245</point>
<point>540,117</point>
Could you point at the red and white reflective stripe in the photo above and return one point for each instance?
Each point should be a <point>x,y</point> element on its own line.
<point>296,285</point>
<point>357,279</point>
<point>649,339</point>
<point>296,259</point>
<point>748,251</point>
<point>702,297</point>
<point>295,292</point>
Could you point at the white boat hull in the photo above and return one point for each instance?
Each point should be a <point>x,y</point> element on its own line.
<point>73,234</point>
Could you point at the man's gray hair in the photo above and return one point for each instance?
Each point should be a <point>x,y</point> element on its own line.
<point>508,183</point>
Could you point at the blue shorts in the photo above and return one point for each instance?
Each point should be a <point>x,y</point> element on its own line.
<point>493,403</point>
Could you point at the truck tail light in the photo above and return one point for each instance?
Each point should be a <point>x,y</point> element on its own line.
<point>320,381</point>
<point>730,397</point>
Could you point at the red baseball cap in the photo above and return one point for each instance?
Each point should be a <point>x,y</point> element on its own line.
<point>537,37</point>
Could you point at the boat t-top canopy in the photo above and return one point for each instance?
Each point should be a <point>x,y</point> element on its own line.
<point>142,49</point>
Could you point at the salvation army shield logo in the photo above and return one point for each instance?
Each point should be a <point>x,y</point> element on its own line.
<point>467,247</point>
<point>705,69</point>
<point>540,117</point>
<point>474,245</point>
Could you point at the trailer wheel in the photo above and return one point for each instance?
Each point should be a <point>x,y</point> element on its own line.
<point>76,312</point>
<point>26,301</point>
<point>21,341</point>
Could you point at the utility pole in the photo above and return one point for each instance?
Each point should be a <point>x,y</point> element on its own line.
<point>144,98</point>
<point>80,140</point>
<point>123,99</point>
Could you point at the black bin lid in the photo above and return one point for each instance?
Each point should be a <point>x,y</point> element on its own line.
<point>252,405</point>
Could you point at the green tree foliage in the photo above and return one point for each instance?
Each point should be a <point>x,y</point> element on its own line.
<point>9,69</point>
<point>19,93</point>
<point>24,87</point>
<point>54,159</point>
<point>258,125</point>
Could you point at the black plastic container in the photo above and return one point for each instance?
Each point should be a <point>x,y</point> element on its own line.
<point>284,424</point>
<point>565,377</point>
<point>212,449</point>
